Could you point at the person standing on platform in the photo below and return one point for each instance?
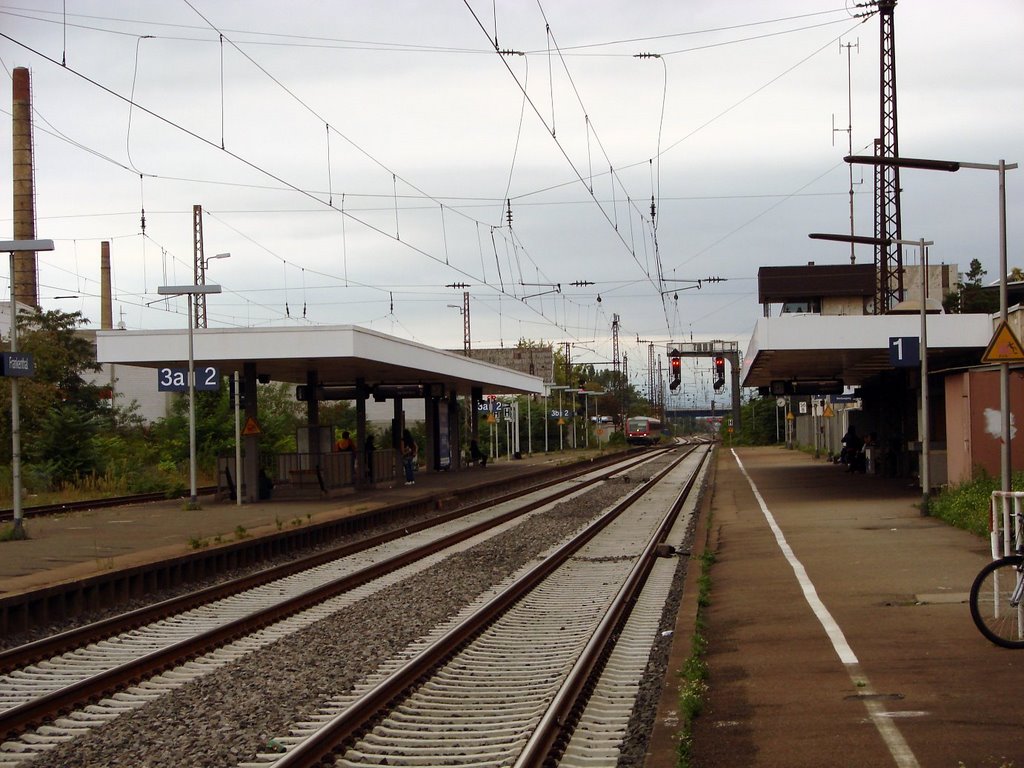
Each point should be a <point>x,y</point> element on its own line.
<point>410,452</point>
<point>344,442</point>
<point>368,449</point>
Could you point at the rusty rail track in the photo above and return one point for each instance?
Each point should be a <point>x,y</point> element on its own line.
<point>341,731</point>
<point>46,707</point>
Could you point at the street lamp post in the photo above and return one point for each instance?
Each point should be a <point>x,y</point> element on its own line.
<point>15,246</point>
<point>206,263</point>
<point>925,414</point>
<point>190,291</point>
<point>951,166</point>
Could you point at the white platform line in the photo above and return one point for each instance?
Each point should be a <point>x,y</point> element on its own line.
<point>897,745</point>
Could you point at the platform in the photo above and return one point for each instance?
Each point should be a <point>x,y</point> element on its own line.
<point>80,545</point>
<point>887,670</point>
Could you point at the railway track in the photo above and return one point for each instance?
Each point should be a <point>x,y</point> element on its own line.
<point>504,683</point>
<point>34,692</point>
<point>41,510</point>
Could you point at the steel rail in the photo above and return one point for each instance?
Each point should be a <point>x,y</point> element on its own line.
<point>553,723</point>
<point>62,642</point>
<point>55,645</point>
<point>337,732</point>
<point>19,718</point>
<point>40,510</point>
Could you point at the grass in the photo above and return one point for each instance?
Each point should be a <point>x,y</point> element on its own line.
<point>95,486</point>
<point>966,505</point>
<point>10,533</point>
<point>694,674</point>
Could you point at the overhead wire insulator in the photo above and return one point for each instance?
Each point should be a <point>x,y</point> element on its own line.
<point>508,213</point>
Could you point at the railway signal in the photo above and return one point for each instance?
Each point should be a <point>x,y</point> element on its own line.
<point>719,372</point>
<point>676,365</point>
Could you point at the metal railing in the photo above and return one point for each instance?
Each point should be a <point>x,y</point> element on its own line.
<point>316,472</point>
<point>1004,524</point>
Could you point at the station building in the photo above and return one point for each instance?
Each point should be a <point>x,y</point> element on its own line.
<point>833,363</point>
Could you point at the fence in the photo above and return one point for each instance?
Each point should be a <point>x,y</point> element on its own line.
<point>305,473</point>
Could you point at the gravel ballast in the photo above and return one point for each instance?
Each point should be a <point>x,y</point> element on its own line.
<point>228,716</point>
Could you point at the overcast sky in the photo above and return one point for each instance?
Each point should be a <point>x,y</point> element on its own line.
<point>355,158</point>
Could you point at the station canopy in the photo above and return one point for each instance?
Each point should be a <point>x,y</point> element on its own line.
<point>340,355</point>
<point>855,348</point>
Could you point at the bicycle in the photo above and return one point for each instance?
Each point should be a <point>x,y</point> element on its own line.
<point>997,597</point>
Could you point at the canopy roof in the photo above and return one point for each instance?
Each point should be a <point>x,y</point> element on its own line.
<point>339,354</point>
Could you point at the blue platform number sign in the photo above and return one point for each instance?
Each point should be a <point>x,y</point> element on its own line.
<point>904,351</point>
<point>176,379</point>
<point>18,364</point>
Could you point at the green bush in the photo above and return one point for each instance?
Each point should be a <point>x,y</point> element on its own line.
<point>967,505</point>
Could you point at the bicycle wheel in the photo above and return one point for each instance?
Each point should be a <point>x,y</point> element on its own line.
<point>997,620</point>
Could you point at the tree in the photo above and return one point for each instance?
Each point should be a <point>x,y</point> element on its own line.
<point>61,410</point>
<point>280,415</point>
<point>972,298</point>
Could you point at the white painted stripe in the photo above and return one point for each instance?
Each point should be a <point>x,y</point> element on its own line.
<point>835,634</point>
<point>894,741</point>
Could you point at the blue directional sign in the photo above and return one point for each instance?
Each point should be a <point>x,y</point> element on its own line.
<point>904,351</point>
<point>176,379</point>
<point>18,364</point>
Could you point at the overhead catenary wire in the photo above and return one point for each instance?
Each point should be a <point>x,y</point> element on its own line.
<point>515,246</point>
<point>579,176</point>
<point>254,166</point>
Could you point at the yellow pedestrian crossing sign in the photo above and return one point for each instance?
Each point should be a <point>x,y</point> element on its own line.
<point>1004,347</point>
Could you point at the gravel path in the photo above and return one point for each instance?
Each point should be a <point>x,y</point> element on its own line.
<point>228,716</point>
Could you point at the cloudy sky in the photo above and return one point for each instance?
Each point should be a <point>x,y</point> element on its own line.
<point>357,159</point>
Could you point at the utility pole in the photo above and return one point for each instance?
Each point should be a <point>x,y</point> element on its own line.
<point>650,374</point>
<point>849,132</point>
<point>619,384</point>
<point>888,228</point>
<point>199,268</point>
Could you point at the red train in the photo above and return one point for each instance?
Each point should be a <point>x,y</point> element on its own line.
<point>643,430</point>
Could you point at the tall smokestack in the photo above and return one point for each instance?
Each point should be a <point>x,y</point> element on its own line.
<point>26,290</point>
<point>106,307</point>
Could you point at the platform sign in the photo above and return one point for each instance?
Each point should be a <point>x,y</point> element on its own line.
<point>904,351</point>
<point>176,379</point>
<point>19,364</point>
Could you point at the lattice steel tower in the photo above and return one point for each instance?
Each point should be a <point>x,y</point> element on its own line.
<point>888,258</point>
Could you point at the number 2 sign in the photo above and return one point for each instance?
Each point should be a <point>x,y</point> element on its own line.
<point>176,379</point>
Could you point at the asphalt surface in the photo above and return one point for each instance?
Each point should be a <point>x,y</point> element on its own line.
<point>886,670</point>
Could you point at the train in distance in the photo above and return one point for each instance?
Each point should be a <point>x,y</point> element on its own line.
<point>643,430</point>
